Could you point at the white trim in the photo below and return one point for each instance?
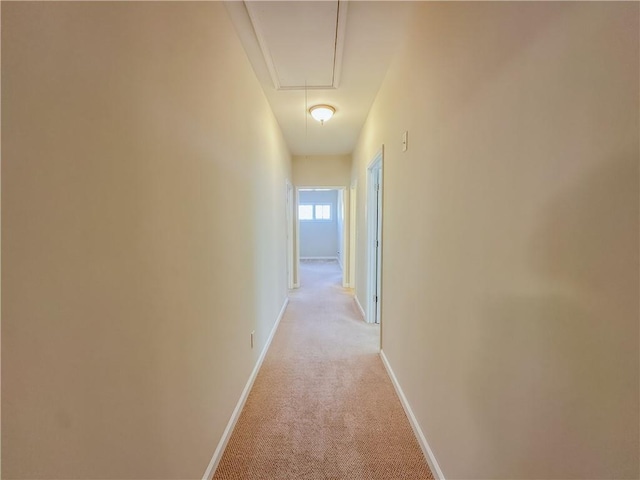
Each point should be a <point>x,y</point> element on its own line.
<point>226,435</point>
<point>355,298</point>
<point>351,257</point>
<point>426,449</point>
<point>341,32</point>
<point>296,228</point>
<point>290,233</point>
<point>342,219</point>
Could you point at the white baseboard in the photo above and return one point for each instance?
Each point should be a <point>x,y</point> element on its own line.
<point>319,258</point>
<point>226,435</point>
<point>364,317</point>
<point>426,449</point>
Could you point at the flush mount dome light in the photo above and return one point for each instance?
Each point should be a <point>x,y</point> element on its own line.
<point>321,113</point>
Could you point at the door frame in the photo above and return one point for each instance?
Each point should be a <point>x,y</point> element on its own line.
<point>290,235</point>
<point>353,228</point>
<point>374,237</point>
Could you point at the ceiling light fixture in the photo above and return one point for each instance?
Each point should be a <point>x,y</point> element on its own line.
<point>321,113</point>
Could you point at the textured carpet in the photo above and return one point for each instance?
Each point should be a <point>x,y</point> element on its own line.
<point>323,406</point>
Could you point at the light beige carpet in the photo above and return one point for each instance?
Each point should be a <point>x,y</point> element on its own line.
<point>323,406</point>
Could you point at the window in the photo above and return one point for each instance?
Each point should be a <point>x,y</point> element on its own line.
<point>305,212</point>
<point>314,212</point>
<point>323,212</point>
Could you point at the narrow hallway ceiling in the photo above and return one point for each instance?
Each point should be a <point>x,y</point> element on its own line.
<point>320,52</point>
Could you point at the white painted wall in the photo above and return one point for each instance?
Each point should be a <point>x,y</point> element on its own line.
<point>143,236</point>
<point>319,238</point>
<point>510,282</point>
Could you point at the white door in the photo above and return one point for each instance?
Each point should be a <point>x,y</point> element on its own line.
<point>378,243</point>
<point>374,238</point>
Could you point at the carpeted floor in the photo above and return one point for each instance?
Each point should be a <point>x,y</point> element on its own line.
<point>323,406</point>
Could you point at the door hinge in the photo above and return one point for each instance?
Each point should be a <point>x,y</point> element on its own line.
<point>376,298</point>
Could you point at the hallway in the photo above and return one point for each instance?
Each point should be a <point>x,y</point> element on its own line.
<point>155,158</point>
<point>323,405</point>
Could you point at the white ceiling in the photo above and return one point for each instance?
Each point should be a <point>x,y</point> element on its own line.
<point>305,53</point>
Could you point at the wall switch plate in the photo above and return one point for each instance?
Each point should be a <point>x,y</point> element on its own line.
<point>253,334</point>
<point>404,141</point>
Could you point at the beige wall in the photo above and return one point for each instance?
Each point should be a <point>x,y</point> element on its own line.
<point>510,281</point>
<point>139,158</point>
<point>321,170</point>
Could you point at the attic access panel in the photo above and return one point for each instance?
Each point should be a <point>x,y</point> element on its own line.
<point>302,42</point>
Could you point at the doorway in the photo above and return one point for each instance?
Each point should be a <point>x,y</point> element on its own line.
<point>320,226</point>
<point>374,238</point>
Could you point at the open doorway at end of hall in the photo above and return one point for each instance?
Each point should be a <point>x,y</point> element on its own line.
<point>320,219</point>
